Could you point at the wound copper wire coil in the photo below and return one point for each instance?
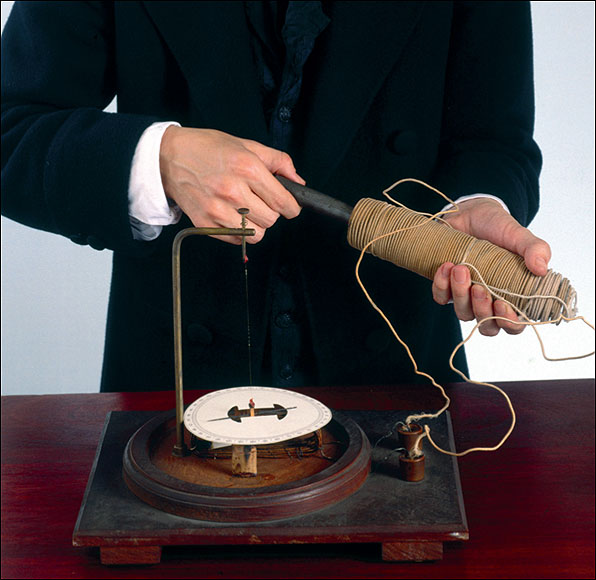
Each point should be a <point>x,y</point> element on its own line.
<point>422,245</point>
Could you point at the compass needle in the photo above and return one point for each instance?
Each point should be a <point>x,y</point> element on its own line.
<point>237,415</point>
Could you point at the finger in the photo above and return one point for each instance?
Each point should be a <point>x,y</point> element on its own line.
<point>250,239</point>
<point>503,309</point>
<point>222,215</point>
<point>250,223</point>
<point>276,161</point>
<point>255,186</point>
<point>234,240</point>
<point>441,284</point>
<point>460,291</point>
<point>274,194</point>
<point>537,255</point>
<point>487,220</point>
<point>482,304</point>
<point>535,251</point>
<point>263,183</point>
<point>231,195</point>
<point>259,232</point>
<point>259,213</point>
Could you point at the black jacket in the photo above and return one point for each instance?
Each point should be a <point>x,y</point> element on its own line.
<point>440,91</point>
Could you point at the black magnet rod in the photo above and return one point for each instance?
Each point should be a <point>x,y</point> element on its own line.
<point>317,201</point>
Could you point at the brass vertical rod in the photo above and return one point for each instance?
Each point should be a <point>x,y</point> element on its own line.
<point>180,448</point>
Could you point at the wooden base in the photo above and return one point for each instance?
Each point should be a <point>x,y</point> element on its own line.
<point>412,551</point>
<point>128,555</point>
<point>211,490</point>
<point>390,552</point>
<point>409,521</point>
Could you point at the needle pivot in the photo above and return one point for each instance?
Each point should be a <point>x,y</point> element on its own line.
<point>243,211</point>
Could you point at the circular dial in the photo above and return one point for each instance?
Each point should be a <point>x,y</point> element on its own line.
<point>254,416</point>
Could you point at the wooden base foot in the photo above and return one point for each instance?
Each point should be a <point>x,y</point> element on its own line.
<point>412,551</point>
<point>114,556</point>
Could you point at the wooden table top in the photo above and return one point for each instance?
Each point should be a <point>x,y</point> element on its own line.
<point>530,505</point>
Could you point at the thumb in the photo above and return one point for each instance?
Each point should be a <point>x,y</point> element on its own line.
<point>535,251</point>
<point>487,220</point>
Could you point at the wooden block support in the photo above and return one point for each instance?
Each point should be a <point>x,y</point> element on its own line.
<point>244,460</point>
<point>412,551</point>
<point>121,555</point>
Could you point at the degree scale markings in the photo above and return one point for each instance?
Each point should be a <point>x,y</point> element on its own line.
<point>307,416</point>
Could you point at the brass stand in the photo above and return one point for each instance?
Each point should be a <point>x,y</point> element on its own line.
<point>180,448</point>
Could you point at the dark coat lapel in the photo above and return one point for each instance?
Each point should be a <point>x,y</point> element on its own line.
<point>360,46</point>
<point>211,43</point>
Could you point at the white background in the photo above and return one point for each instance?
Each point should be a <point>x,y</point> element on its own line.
<point>54,293</point>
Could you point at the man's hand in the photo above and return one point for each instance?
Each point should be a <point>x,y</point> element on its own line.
<point>485,219</point>
<point>210,175</point>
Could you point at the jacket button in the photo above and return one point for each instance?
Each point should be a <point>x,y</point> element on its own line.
<point>199,335</point>
<point>284,113</point>
<point>286,372</point>
<point>284,320</point>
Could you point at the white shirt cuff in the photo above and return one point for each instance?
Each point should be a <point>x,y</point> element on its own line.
<point>474,196</point>
<point>148,206</point>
